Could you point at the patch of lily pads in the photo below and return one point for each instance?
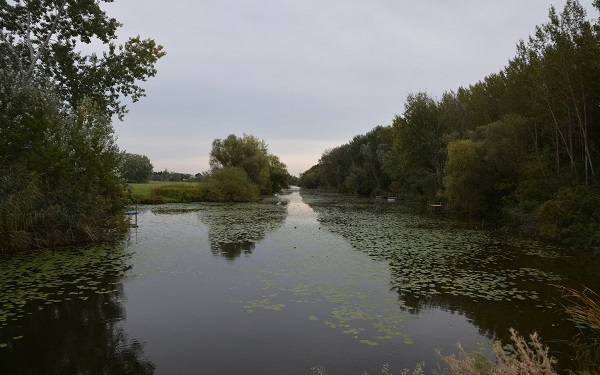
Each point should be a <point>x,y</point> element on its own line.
<point>341,288</point>
<point>428,256</point>
<point>33,280</point>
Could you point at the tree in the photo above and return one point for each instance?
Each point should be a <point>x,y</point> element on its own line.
<point>279,175</point>
<point>251,155</point>
<point>560,63</point>
<point>58,181</point>
<point>419,151</point>
<point>135,168</point>
<point>41,37</point>
<point>482,171</point>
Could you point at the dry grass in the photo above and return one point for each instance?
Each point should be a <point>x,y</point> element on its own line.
<point>522,358</point>
<point>583,307</point>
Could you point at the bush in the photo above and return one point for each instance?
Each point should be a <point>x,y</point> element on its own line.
<point>231,184</point>
<point>572,216</point>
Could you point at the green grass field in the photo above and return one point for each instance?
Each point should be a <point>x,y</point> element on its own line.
<point>156,192</point>
<point>145,189</point>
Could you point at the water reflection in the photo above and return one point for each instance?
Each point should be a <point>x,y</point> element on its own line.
<point>234,229</point>
<point>69,319</point>
<point>232,250</point>
<point>496,282</point>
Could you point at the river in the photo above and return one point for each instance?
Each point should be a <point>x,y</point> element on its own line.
<point>281,286</point>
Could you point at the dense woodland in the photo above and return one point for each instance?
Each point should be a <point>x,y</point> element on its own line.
<point>522,145</point>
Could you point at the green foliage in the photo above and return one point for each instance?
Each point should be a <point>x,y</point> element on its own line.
<point>419,150</point>
<point>356,167</point>
<point>40,38</point>
<point>251,155</point>
<point>58,156</point>
<point>231,184</point>
<point>572,216</point>
<point>311,179</point>
<point>167,175</point>
<point>482,171</point>
<point>467,180</point>
<point>135,168</point>
<point>57,170</point>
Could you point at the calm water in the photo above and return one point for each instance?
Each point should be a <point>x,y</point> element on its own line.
<point>279,287</point>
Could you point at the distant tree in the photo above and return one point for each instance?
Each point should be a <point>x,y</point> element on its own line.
<point>278,174</point>
<point>311,179</point>
<point>251,155</point>
<point>135,167</point>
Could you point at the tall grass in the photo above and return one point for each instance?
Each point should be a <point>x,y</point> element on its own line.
<point>584,309</point>
<point>522,358</point>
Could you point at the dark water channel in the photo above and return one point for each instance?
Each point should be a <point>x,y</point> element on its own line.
<point>279,287</point>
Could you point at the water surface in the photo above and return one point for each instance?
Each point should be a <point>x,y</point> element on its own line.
<point>279,286</point>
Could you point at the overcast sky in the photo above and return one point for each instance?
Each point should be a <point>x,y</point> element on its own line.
<point>305,75</point>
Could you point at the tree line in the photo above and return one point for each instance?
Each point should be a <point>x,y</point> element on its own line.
<point>521,145</point>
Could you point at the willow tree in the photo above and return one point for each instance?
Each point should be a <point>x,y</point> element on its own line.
<point>251,155</point>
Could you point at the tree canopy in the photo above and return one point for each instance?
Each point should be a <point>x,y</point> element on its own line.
<point>43,38</point>
<point>517,145</point>
<point>135,167</point>
<point>251,155</point>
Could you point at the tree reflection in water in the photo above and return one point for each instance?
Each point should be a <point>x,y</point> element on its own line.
<point>497,282</point>
<point>77,329</point>
<point>234,229</point>
<point>233,250</point>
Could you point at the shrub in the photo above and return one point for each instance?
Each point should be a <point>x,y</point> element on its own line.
<point>57,169</point>
<point>231,184</point>
<point>572,216</point>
